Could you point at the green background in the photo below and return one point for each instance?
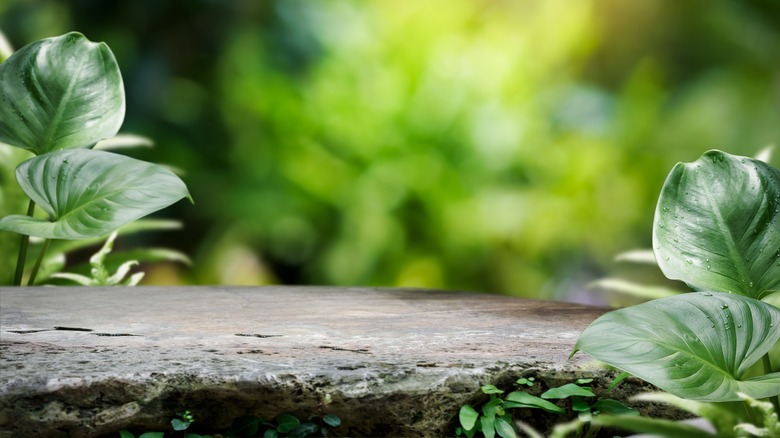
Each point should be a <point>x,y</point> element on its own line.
<point>508,147</point>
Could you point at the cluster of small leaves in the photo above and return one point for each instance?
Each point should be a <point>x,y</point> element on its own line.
<point>494,418</point>
<point>767,423</point>
<point>181,423</point>
<point>284,425</point>
<point>100,275</point>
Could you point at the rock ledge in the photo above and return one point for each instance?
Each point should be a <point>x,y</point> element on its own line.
<point>83,362</point>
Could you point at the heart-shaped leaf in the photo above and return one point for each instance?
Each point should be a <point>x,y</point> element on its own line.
<point>60,93</point>
<point>468,417</point>
<point>696,346</point>
<point>91,193</point>
<point>286,423</point>
<point>717,225</point>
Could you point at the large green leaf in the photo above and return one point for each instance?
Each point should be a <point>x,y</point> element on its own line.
<point>696,346</point>
<point>60,93</point>
<point>91,193</point>
<point>717,225</point>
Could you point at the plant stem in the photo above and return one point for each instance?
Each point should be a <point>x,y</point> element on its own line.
<point>38,262</point>
<point>750,414</point>
<point>768,369</point>
<point>593,430</point>
<point>23,249</point>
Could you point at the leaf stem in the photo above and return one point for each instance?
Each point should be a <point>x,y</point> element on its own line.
<point>38,262</point>
<point>750,414</point>
<point>593,430</point>
<point>20,261</point>
<point>768,369</point>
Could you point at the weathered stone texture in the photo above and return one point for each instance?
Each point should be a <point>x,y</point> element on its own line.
<point>88,361</point>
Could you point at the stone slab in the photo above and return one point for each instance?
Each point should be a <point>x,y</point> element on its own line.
<point>395,362</point>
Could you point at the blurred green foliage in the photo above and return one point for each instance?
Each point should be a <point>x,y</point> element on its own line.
<point>500,146</point>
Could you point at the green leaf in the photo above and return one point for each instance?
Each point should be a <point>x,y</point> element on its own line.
<point>717,225</point>
<point>765,154</point>
<point>245,426</point>
<point>286,423</point>
<point>152,435</point>
<point>696,346</point>
<point>76,278</point>
<point>126,434</point>
<point>5,48</point>
<point>529,431</point>
<point>124,141</point>
<point>724,416</point>
<point>303,430</point>
<point>659,427</point>
<point>55,257</point>
<point>643,256</point>
<point>767,417</point>
<point>468,417</point>
<point>141,225</point>
<point>523,381</point>
<point>578,404</point>
<point>504,428</point>
<point>178,424</point>
<point>620,286</point>
<point>493,407</point>
<point>530,401</point>
<point>91,193</point>
<point>490,389</point>
<point>332,420</point>
<point>60,93</point>
<point>270,433</point>
<point>616,381</point>
<point>567,390</point>
<point>488,426</point>
<point>570,428</point>
<point>614,407</point>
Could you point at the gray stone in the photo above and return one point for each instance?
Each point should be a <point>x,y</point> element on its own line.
<point>89,361</point>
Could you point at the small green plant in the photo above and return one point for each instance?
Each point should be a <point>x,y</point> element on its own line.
<point>754,419</point>
<point>60,96</point>
<point>100,275</point>
<point>493,418</point>
<point>180,423</point>
<point>284,425</point>
<point>717,228</point>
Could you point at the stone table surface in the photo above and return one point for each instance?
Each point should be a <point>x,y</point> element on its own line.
<point>87,361</point>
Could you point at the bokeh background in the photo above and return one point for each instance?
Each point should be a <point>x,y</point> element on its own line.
<point>501,146</point>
